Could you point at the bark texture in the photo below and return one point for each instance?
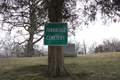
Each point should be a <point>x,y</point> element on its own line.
<point>30,50</point>
<point>31,29</point>
<point>56,65</point>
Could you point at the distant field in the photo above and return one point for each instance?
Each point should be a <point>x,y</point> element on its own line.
<point>102,66</point>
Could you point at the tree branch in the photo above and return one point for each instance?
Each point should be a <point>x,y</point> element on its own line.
<point>38,39</point>
<point>22,42</point>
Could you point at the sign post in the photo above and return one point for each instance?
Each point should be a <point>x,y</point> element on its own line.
<point>55,34</point>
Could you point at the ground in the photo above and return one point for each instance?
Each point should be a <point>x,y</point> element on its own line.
<point>103,66</point>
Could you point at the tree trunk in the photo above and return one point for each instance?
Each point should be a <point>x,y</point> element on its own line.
<point>56,65</point>
<point>30,49</point>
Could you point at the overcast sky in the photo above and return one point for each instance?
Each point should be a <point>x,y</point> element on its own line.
<point>98,32</point>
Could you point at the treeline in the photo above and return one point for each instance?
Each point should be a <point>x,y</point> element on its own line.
<point>107,45</point>
<point>9,47</point>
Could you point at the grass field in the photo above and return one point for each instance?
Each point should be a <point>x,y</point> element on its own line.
<point>102,66</point>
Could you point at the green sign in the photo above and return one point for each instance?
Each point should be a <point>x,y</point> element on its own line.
<point>55,34</point>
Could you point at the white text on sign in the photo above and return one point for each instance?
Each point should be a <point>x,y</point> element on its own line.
<point>55,29</point>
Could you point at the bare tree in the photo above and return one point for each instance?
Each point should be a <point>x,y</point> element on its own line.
<point>107,45</point>
<point>81,48</point>
<point>84,47</point>
<point>111,45</point>
<point>115,44</point>
<point>78,47</point>
<point>91,48</point>
<point>8,46</point>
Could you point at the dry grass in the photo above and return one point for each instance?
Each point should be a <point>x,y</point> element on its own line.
<point>103,66</point>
